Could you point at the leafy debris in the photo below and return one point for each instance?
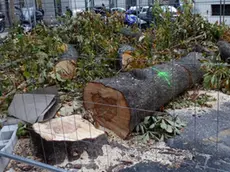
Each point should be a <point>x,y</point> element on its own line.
<point>186,101</point>
<point>159,127</point>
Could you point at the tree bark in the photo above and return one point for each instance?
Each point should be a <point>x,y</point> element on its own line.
<point>121,102</point>
<point>224,48</point>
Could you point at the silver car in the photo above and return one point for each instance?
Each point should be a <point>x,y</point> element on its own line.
<point>118,9</point>
<point>143,12</point>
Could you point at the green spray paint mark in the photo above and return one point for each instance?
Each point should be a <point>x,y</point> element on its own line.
<point>163,75</point>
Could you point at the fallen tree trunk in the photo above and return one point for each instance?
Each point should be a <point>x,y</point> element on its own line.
<point>121,102</point>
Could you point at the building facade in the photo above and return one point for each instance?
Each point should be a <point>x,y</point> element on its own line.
<point>214,10</point>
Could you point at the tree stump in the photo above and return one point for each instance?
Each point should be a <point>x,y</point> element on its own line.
<point>68,137</point>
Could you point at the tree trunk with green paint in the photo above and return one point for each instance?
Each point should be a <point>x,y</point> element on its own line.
<point>122,102</point>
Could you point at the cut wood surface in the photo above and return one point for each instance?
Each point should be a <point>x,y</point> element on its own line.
<point>70,128</point>
<point>66,67</point>
<point>121,102</point>
<point>125,57</point>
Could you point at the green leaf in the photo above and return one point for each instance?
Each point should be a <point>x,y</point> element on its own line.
<point>58,77</point>
<point>26,74</point>
<point>177,131</point>
<point>213,80</point>
<point>162,137</point>
<point>172,123</point>
<point>152,126</point>
<point>227,83</point>
<point>169,129</point>
<point>163,125</point>
<point>146,137</point>
<point>154,118</point>
<point>142,129</point>
<point>146,120</point>
<point>138,128</point>
<point>42,55</point>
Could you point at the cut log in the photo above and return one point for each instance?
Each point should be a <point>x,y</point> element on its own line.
<point>129,33</point>
<point>66,67</point>
<point>122,102</point>
<point>224,48</point>
<point>125,57</point>
<point>70,54</point>
<point>67,136</point>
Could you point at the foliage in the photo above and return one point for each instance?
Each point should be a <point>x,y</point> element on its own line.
<point>22,130</point>
<point>217,76</point>
<point>97,41</point>
<point>97,37</point>
<point>29,57</point>
<point>163,26</point>
<point>186,101</point>
<point>90,68</point>
<point>226,35</point>
<point>186,25</point>
<point>93,35</point>
<point>159,127</point>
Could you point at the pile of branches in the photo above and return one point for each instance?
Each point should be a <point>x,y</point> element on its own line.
<point>27,61</point>
<point>99,37</point>
<point>97,40</point>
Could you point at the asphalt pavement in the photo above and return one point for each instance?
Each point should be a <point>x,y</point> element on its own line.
<point>207,137</point>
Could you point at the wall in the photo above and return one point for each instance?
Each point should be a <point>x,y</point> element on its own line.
<point>49,8</point>
<point>78,4</point>
<point>203,7</point>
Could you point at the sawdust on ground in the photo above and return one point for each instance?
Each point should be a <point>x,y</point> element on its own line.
<point>220,99</point>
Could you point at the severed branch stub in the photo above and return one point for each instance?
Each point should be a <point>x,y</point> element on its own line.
<point>122,102</point>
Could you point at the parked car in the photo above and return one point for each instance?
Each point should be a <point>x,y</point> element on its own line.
<point>77,11</point>
<point>171,9</point>
<point>143,12</point>
<point>135,10</point>
<point>99,10</point>
<point>118,9</point>
<point>149,14</point>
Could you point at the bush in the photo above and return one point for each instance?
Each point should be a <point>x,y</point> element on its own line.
<point>186,26</point>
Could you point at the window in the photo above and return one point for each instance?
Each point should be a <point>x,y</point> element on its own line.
<point>221,10</point>
<point>144,9</point>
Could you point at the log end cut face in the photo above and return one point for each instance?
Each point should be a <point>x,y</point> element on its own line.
<point>70,128</point>
<point>109,108</point>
